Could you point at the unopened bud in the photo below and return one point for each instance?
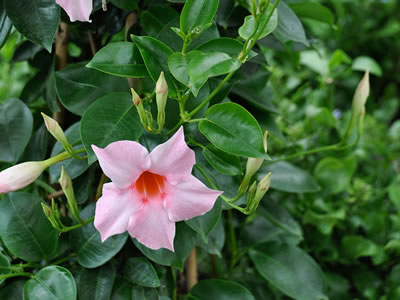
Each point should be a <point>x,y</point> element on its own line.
<point>136,98</point>
<point>55,130</point>
<point>263,187</point>
<point>46,209</point>
<point>161,98</point>
<point>361,95</point>
<point>68,189</point>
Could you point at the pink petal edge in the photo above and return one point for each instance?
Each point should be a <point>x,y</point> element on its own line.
<point>173,159</point>
<point>152,227</point>
<point>77,10</point>
<point>189,199</point>
<point>4,188</point>
<point>114,210</point>
<point>123,161</point>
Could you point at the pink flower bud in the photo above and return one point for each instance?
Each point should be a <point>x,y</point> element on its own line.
<point>77,10</point>
<point>21,175</point>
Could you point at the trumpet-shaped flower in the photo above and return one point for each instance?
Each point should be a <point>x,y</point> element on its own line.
<point>77,10</point>
<point>149,192</point>
<point>21,175</point>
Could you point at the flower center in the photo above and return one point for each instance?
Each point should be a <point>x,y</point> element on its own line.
<point>150,185</point>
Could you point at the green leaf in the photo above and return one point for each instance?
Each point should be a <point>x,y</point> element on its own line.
<point>15,129</point>
<point>86,242</point>
<point>119,59</point>
<point>289,178</point>
<point>155,56</point>
<point>216,240</point>
<point>197,14</point>
<point>139,270</point>
<point>255,90</point>
<point>289,26</point>
<point>290,270</point>
<point>233,129</point>
<point>5,25</point>
<point>202,65</point>
<point>246,30</point>
<point>313,10</point>
<point>125,290</point>
<point>178,66</point>
<point>127,5</point>
<point>354,246</point>
<point>35,19</point>
<point>97,283</point>
<point>221,290</point>
<point>78,86</point>
<point>394,194</point>
<point>226,45</point>
<point>366,63</point>
<point>73,166</point>
<point>24,229</point>
<point>185,239</point>
<point>14,290</point>
<point>111,118</point>
<point>4,266</point>
<point>206,223</point>
<point>51,283</point>
<point>221,161</point>
<point>335,174</point>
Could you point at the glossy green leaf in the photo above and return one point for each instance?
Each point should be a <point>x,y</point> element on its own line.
<point>197,13</point>
<point>185,239</point>
<point>201,66</point>
<point>78,86</point>
<point>5,25</point>
<point>335,174</point>
<point>97,283</point>
<point>221,161</point>
<point>14,290</point>
<point>366,63</point>
<point>159,18</point>
<point>289,178</point>
<point>206,223</point>
<point>4,266</point>
<point>226,45</point>
<point>216,240</point>
<point>299,276</point>
<point>313,10</point>
<point>354,246</point>
<point>233,129</point>
<point>289,27</point>
<point>127,5</point>
<point>36,19</point>
<point>51,283</point>
<point>221,290</point>
<point>178,66</point>
<point>155,56</point>
<point>139,270</point>
<point>255,90</point>
<point>86,242</point>
<point>125,290</point>
<point>119,59</point>
<point>249,25</point>
<point>24,229</point>
<point>15,129</point>
<point>111,118</point>
<point>73,166</point>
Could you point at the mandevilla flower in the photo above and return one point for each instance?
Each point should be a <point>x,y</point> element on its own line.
<point>149,192</point>
<point>77,10</point>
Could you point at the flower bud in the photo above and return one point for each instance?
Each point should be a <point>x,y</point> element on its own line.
<point>68,189</point>
<point>161,98</point>
<point>137,101</point>
<point>136,98</point>
<point>262,187</point>
<point>361,95</point>
<point>55,130</point>
<point>21,175</point>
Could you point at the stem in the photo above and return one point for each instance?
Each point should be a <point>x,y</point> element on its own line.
<point>99,190</point>
<point>191,270</point>
<point>175,289</point>
<point>61,260</point>
<point>5,276</point>
<point>321,149</point>
<point>45,186</point>
<point>232,238</point>
<point>66,229</point>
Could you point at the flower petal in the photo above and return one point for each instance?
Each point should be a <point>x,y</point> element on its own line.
<point>4,188</point>
<point>173,159</point>
<point>189,199</point>
<point>152,228</point>
<point>77,10</point>
<point>123,161</point>
<point>114,209</point>
<point>20,175</point>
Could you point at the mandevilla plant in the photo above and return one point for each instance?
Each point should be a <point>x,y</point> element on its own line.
<point>198,149</point>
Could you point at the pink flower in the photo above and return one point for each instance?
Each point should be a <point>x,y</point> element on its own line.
<point>150,192</point>
<point>21,175</point>
<point>77,10</point>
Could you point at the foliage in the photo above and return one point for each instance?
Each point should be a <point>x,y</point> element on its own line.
<point>328,227</point>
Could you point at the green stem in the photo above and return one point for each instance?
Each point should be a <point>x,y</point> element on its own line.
<point>25,274</point>
<point>175,288</point>
<point>66,229</point>
<point>61,260</point>
<point>233,242</point>
<point>45,186</point>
